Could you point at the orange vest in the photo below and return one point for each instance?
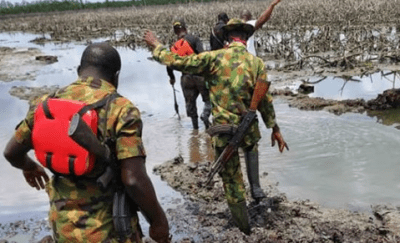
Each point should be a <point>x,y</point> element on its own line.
<point>54,149</point>
<point>182,48</point>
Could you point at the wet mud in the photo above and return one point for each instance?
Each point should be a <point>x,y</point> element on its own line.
<point>206,218</point>
<point>21,63</point>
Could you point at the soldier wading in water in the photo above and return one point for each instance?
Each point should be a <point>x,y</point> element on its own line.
<point>192,85</point>
<point>232,74</point>
<point>82,193</point>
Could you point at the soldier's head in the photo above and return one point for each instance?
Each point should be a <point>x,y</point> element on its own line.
<point>103,60</point>
<point>179,26</point>
<point>223,17</point>
<point>237,29</point>
<point>245,15</point>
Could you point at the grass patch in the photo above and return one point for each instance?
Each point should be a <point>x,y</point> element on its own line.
<point>51,5</point>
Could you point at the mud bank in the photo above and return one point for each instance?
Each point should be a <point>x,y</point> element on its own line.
<point>205,216</point>
<point>389,99</point>
<point>21,63</point>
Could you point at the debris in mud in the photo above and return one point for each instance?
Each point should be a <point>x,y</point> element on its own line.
<point>19,63</point>
<point>30,93</point>
<point>206,218</point>
<point>387,100</point>
<point>47,59</point>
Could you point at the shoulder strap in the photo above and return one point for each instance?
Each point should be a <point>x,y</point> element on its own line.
<point>216,37</point>
<point>191,41</point>
<point>98,104</point>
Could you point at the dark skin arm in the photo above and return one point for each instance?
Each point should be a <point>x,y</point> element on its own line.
<point>277,136</point>
<point>17,155</point>
<point>266,15</point>
<point>137,182</point>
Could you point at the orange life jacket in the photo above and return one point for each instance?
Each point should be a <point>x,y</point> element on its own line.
<point>182,48</point>
<point>53,147</point>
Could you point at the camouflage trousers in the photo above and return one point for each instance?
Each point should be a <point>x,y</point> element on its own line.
<point>232,176</point>
<point>83,213</point>
<point>192,86</point>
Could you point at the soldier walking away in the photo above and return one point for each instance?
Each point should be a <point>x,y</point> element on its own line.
<point>264,17</point>
<point>192,85</point>
<point>84,204</point>
<point>216,37</point>
<point>234,75</point>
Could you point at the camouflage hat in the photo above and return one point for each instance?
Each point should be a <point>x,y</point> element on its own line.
<point>238,25</point>
<point>179,23</point>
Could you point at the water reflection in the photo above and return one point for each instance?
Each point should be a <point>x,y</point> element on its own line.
<point>389,117</point>
<point>353,87</point>
<point>200,148</point>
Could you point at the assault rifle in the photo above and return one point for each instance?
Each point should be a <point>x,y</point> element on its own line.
<point>238,133</point>
<point>81,133</point>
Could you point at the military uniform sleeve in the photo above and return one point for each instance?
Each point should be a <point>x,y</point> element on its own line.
<point>128,130</point>
<point>267,111</point>
<point>194,64</point>
<point>23,131</point>
<point>266,108</point>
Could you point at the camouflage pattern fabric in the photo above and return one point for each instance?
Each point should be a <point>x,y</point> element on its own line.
<point>231,74</point>
<point>232,178</point>
<point>192,86</point>
<point>79,210</point>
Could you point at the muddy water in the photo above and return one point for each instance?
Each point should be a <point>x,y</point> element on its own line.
<point>342,161</point>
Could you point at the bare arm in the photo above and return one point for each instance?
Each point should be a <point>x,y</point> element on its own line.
<point>17,155</point>
<point>266,15</point>
<point>141,190</point>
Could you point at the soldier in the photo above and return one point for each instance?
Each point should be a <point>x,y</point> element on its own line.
<point>233,74</point>
<point>81,211</point>
<point>192,85</point>
<point>216,36</point>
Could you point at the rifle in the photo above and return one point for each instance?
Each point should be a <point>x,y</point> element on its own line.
<point>82,134</point>
<point>176,103</point>
<point>260,90</point>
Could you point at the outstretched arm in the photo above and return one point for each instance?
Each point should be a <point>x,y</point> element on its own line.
<point>266,15</point>
<point>141,190</point>
<point>17,155</point>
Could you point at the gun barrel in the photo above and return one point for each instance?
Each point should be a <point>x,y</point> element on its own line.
<point>83,135</point>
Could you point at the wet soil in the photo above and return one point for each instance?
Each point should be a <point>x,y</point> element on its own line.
<point>204,216</point>
<point>21,63</point>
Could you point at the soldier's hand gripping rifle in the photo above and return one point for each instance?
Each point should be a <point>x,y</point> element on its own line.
<point>260,90</point>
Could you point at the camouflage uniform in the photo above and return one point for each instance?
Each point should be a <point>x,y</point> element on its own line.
<point>231,74</point>
<point>79,210</point>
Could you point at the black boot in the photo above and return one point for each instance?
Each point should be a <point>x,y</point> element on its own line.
<point>195,123</point>
<point>252,173</point>
<point>206,113</point>
<point>240,216</point>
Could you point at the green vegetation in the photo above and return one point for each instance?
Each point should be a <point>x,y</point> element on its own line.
<point>54,5</point>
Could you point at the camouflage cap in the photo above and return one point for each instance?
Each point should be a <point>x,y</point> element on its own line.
<point>179,23</point>
<point>238,25</point>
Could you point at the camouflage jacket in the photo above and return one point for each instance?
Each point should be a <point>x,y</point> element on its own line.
<point>81,212</point>
<point>231,74</point>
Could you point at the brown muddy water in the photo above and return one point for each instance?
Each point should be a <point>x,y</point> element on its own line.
<point>348,161</point>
